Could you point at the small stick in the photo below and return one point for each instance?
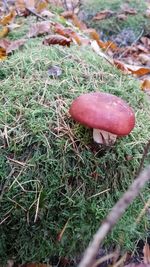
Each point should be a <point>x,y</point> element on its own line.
<point>145,152</point>
<point>37,206</point>
<point>112,218</point>
<point>35,14</point>
<point>103,259</point>
<point>135,41</point>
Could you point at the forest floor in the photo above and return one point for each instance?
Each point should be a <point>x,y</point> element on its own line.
<point>57,185</point>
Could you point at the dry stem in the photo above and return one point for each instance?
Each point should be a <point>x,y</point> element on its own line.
<point>112,218</point>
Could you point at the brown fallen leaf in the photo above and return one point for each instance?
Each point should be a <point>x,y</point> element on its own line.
<point>145,41</point>
<point>122,66</point>
<point>14,45</point>
<point>142,48</point>
<point>79,40</point>
<point>122,17</point>
<point>93,34</point>
<point>67,14</point>
<point>145,85</point>
<point>57,39</point>
<point>68,32</point>
<point>126,68</point>
<point>78,23</point>
<point>131,69</point>
<point>110,45</point>
<point>10,46</point>
<point>128,10</point>
<point>39,29</point>
<point>104,45</point>
<point>60,29</point>
<point>8,18</point>
<point>138,70</point>
<point>103,14</point>
<point>4,32</point>
<point>2,54</point>
<point>4,43</point>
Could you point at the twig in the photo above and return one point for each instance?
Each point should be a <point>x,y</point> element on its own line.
<point>145,152</point>
<point>44,92</point>
<point>135,41</point>
<point>7,215</point>
<point>17,162</point>
<point>35,14</point>
<point>17,204</point>
<point>112,218</point>
<point>99,193</point>
<point>37,206</point>
<point>4,219</point>
<point>103,259</point>
<point>98,51</point>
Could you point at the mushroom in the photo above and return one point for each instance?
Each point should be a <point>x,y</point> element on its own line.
<point>108,115</point>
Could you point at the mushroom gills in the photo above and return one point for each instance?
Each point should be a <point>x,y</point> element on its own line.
<point>103,137</point>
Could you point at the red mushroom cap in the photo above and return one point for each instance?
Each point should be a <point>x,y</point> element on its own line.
<point>103,111</point>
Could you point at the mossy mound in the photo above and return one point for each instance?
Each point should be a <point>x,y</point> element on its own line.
<point>51,171</point>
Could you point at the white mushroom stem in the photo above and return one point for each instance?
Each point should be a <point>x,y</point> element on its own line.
<point>103,137</point>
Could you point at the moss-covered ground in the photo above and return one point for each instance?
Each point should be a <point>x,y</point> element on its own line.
<point>51,171</point>
<point>111,26</point>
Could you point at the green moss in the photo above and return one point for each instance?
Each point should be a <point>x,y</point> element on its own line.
<point>137,23</point>
<point>60,171</point>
